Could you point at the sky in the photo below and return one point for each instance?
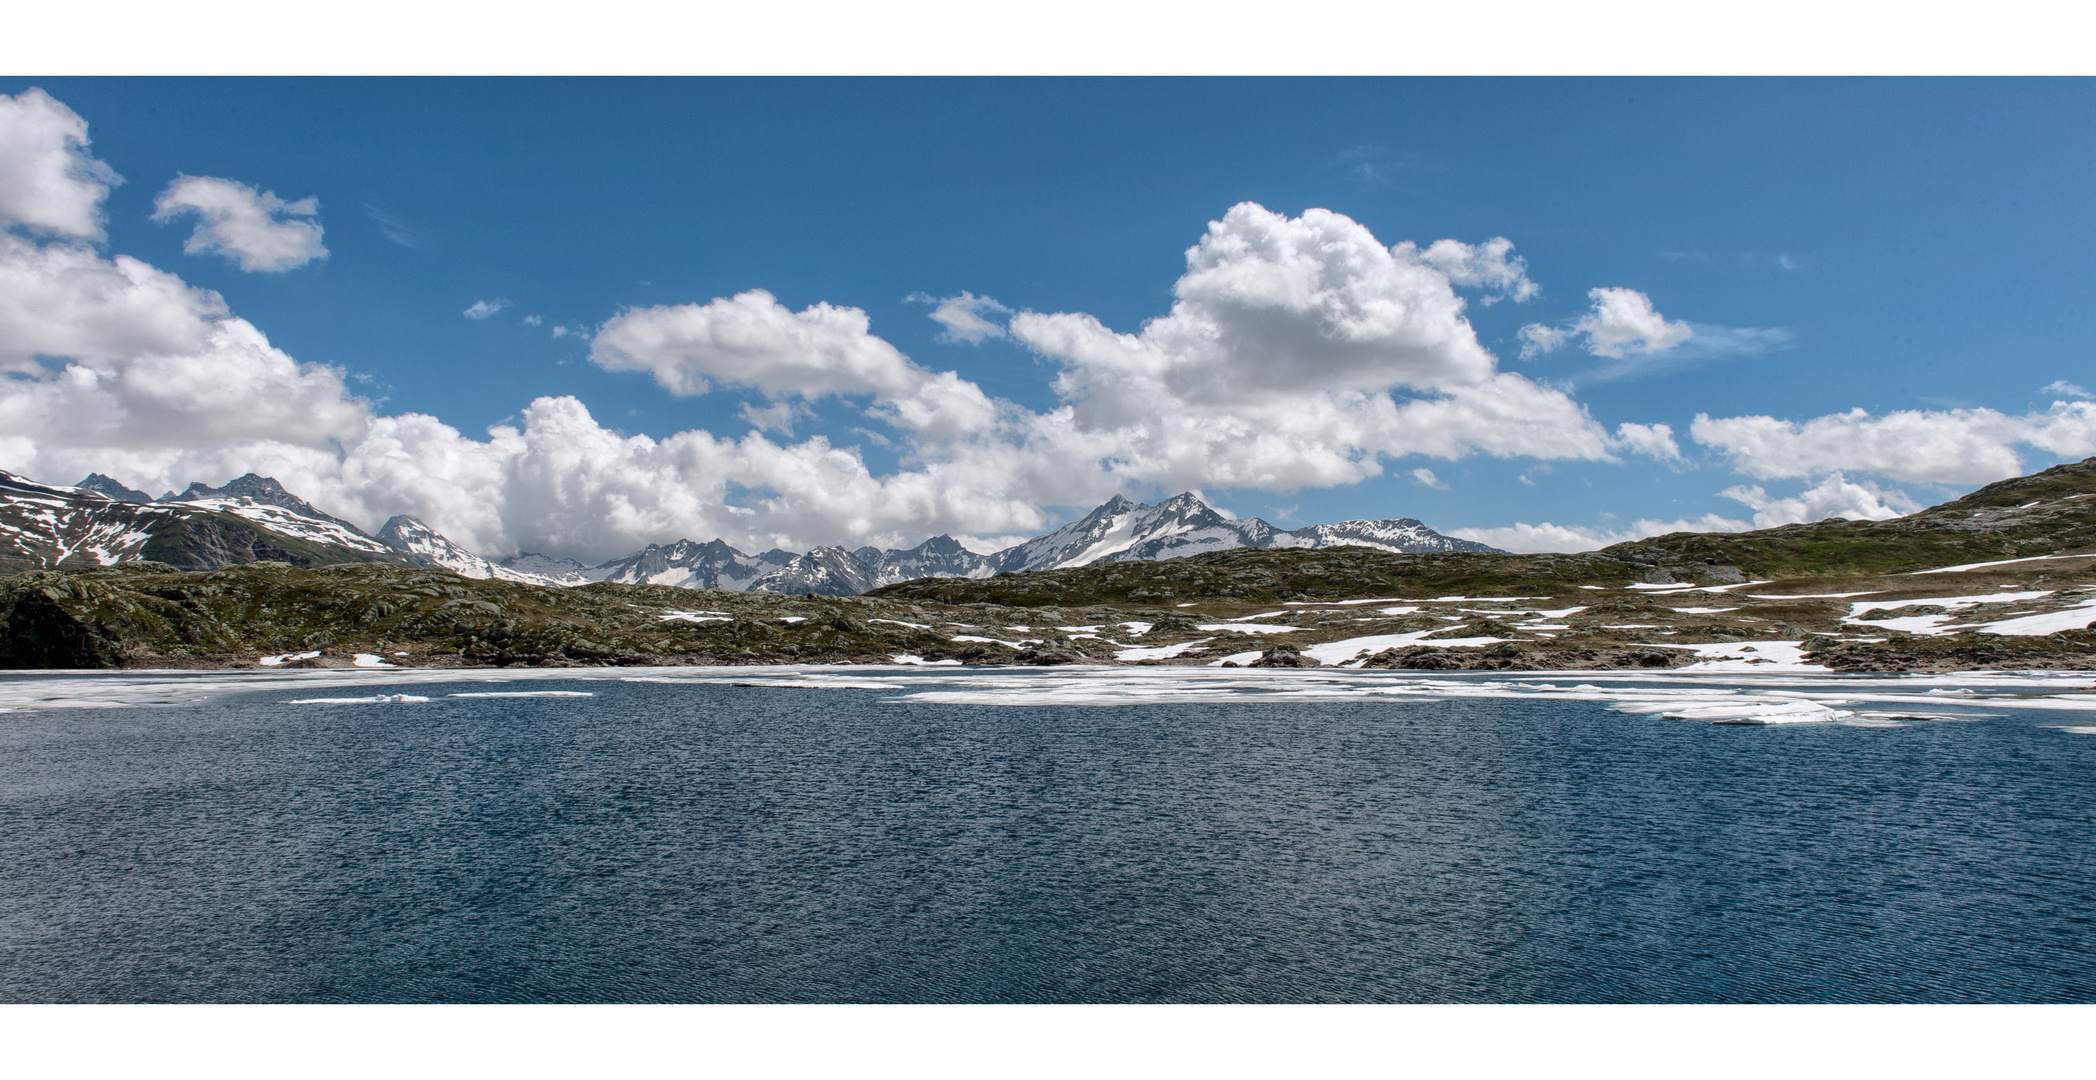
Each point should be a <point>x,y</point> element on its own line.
<point>579,316</point>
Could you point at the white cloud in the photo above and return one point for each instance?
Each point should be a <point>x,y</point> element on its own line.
<point>63,300</point>
<point>532,320</point>
<point>48,182</point>
<point>751,340</point>
<point>1954,446</point>
<point>120,366</point>
<point>254,230</point>
<point>779,417</point>
<point>1427,477</point>
<point>1486,266</point>
<point>481,309</point>
<point>962,316</point>
<point>1621,320</point>
<point>1651,440</point>
<point>1300,352</point>
<point>1523,537</point>
<point>1834,497</point>
<point>2063,388</point>
<point>560,331</point>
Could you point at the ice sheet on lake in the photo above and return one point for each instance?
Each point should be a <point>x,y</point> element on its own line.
<point>376,699</point>
<point>524,693</point>
<point>1699,694</point>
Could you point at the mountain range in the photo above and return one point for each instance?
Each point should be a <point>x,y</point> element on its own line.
<point>100,521</point>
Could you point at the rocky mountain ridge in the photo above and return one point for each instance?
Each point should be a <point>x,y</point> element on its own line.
<point>1119,530</point>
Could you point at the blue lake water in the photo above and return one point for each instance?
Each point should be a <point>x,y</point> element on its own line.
<point>724,843</point>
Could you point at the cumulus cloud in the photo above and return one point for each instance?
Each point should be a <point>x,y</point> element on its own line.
<point>254,230</point>
<point>1427,477</point>
<point>1300,352</point>
<point>1652,440</point>
<point>1621,320</point>
<point>48,182</point>
<point>779,417</point>
<point>1953,446</point>
<point>2065,389</point>
<point>1491,266</point>
<point>1834,497</point>
<point>63,300</point>
<point>751,340</point>
<point>963,316</point>
<point>1525,538</point>
<point>481,309</point>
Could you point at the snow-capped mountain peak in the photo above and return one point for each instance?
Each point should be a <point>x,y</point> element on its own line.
<point>425,546</point>
<point>313,526</point>
<point>261,490</point>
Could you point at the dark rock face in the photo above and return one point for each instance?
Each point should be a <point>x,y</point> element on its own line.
<point>1045,655</point>
<point>1513,658</point>
<point>1284,656</point>
<point>41,634</point>
<point>1416,658</point>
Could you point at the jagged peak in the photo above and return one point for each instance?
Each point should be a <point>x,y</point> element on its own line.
<point>113,488</point>
<point>1183,501</point>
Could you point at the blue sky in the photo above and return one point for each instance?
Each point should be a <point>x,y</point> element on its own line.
<point>1907,247</point>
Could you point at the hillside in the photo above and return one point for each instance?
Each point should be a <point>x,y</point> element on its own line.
<point>2005,577</point>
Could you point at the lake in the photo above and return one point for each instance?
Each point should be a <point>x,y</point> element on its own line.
<point>702,841</point>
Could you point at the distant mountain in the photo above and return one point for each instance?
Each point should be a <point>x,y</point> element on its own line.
<point>259,490</point>
<point>104,485</point>
<point>43,527</point>
<point>425,546</point>
<point>1118,530</point>
<point>1402,535</point>
<point>712,565</point>
<point>1121,531</point>
<point>537,569</point>
<point>833,571</point>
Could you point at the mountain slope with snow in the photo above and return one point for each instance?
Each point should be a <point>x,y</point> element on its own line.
<point>1121,530</point>
<point>712,565</point>
<point>46,526</point>
<point>103,521</point>
<point>425,546</point>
